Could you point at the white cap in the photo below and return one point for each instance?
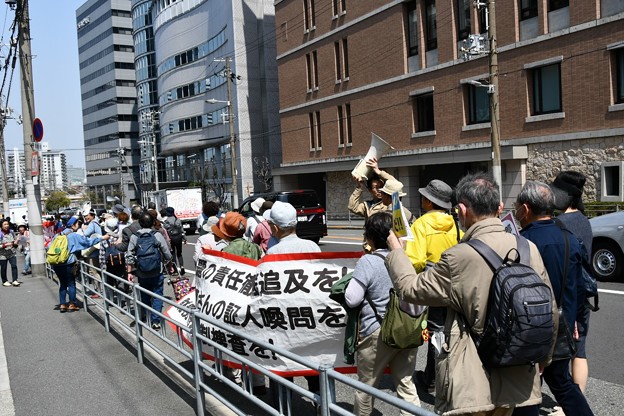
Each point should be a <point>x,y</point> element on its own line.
<point>257,204</point>
<point>282,214</point>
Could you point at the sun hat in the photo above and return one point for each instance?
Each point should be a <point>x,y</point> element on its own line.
<point>391,186</point>
<point>231,226</point>
<point>438,192</point>
<point>257,204</point>
<point>282,214</point>
<point>207,226</point>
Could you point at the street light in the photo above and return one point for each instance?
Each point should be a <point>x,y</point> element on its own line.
<point>232,140</point>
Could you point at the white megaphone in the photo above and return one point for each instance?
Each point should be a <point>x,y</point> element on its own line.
<point>378,148</point>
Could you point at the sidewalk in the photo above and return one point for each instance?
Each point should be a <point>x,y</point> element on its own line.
<point>356,223</point>
<point>60,362</point>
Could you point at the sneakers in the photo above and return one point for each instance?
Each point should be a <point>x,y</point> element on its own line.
<point>422,383</point>
<point>26,273</point>
<point>94,296</point>
<point>156,326</point>
<point>6,284</point>
<point>73,307</point>
<point>557,411</point>
<point>16,283</point>
<point>63,307</point>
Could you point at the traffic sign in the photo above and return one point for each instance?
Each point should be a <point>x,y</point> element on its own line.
<point>37,130</point>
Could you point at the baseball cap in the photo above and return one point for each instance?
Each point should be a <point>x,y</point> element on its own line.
<point>282,214</point>
<point>71,221</point>
<point>118,208</point>
<point>231,226</point>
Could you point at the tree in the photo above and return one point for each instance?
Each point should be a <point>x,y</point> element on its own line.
<point>57,200</point>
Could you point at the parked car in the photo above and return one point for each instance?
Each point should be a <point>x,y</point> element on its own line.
<point>608,246</point>
<point>311,218</point>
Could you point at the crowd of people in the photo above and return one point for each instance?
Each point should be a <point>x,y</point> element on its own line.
<point>436,270</point>
<point>433,271</point>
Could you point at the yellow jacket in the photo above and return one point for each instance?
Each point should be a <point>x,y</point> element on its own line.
<point>434,232</point>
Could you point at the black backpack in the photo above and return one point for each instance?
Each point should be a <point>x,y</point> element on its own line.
<point>147,254</point>
<point>519,328</point>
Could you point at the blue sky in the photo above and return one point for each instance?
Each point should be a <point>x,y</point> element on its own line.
<point>56,77</point>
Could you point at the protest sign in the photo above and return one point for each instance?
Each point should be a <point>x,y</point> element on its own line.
<point>510,224</point>
<point>282,299</point>
<point>400,226</point>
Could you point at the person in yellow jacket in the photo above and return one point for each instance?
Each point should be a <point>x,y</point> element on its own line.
<point>434,232</point>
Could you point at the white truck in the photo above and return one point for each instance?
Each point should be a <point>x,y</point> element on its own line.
<point>186,202</point>
<point>18,211</point>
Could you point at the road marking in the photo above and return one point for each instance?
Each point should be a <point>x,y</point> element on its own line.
<point>344,243</point>
<point>343,237</point>
<point>613,292</point>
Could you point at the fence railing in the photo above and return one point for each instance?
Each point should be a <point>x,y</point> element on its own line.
<point>121,305</point>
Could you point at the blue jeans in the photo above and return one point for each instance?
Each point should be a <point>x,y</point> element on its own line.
<point>67,282</point>
<point>27,261</point>
<point>153,284</point>
<point>568,395</point>
<point>3,269</point>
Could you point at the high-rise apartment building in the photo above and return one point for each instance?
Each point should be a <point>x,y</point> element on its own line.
<point>107,81</point>
<point>348,68</point>
<point>52,171</point>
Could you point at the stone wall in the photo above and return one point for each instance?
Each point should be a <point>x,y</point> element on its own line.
<point>546,160</point>
<point>340,185</point>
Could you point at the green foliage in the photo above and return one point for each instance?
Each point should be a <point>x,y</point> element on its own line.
<point>57,200</point>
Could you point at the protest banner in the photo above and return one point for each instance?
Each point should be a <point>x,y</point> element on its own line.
<point>510,224</point>
<point>282,299</point>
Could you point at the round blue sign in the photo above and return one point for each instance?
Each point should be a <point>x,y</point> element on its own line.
<point>37,130</point>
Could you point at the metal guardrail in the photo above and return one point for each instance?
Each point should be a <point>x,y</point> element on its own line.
<point>125,309</point>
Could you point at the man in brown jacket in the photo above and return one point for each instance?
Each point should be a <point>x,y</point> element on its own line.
<point>460,281</point>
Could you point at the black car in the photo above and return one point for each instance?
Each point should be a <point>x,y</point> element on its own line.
<point>311,218</point>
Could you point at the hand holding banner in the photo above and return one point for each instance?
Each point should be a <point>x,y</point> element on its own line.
<point>400,226</point>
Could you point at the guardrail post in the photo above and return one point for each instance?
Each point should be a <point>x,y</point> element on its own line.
<point>105,297</point>
<point>85,302</point>
<point>197,358</point>
<point>138,328</point>
<point>327,390</point>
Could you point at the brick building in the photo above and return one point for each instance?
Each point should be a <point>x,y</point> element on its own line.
<point>348,68</point>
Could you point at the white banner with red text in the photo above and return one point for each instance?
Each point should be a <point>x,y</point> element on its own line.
<point>282,299</point>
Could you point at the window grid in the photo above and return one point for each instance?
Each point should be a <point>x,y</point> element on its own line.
<point>431,29</point>
<point>528,9</point>
<point>338,61</point>
<point>547,89</point>
<point>423,113</point>
<point>341,127</point>
<point>412,29</point>
<point>315,78</point>
<point>345,58</point>
<point>619,75</point>
<point>464,8</point>
<point>348,134</point>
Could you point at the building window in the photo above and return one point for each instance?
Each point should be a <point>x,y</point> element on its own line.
<point>431,29</point>
<point>312,71</point>
<point>412,29</point>
<point>528,9</point>
<point>619,75</point>
<point>309,20</point>
<point>557,4</point>
<point>464,8</point>
<point>483,20</point>
<point>478,105</point>
<point>344,125</point>
<point>547,89</point>
<point>314,120</point>
<point>339,7</point>
<point>341,56</point>
<point>423,112</point>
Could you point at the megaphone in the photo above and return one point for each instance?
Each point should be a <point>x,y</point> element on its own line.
<point>111,198</point>
<point>378,148</point>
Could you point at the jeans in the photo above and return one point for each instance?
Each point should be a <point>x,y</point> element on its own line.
<point>67,282</point>
<point>27,261</point>
<point>153,284</point>
<point>3,269</point>
<point>568,395</point>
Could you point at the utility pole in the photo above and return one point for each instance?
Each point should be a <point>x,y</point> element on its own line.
<point>494,97</point>
<point>228,72</point>
<point>33,198</point>
<point>5,190</point>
